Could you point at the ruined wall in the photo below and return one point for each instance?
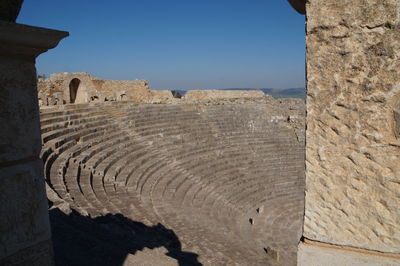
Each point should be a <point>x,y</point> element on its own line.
<point>353,151</point>
<point>57,89</point>
<point>201,95</point>
<point>121,89</point>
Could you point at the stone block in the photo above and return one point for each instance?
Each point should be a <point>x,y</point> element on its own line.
<point>19,110</point>
<point>19,46</point>
<point>24,218</point>
<point>311,255</point>
<point>353,171</point>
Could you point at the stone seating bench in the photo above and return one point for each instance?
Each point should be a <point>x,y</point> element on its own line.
<point>202,170</point>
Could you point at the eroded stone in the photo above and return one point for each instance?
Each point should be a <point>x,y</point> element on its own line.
<point>353,70</point>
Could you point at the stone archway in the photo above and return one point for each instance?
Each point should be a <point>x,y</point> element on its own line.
<point>73,89</point>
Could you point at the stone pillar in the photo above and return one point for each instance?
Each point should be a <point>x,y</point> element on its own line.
<point>24,223</point>
<point>352,204</point>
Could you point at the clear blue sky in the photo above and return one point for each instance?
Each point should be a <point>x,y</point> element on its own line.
<point>176,44</point>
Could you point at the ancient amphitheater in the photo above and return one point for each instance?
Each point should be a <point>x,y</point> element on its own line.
<point>227,178</point>
<point>208,178</point>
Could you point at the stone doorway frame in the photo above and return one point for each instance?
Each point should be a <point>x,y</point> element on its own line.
<point>73,89</point>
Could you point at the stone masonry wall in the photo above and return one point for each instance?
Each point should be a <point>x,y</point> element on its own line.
<point>56,89</point>
<point>198,95</point>
<point>353,145</point>
<point>25,237</point>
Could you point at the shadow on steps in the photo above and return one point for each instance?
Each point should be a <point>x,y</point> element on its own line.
<point>113,240</point>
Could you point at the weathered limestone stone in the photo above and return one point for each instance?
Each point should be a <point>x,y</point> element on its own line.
<point>24,222</point>
<point>19,111</point>
<point>19,46</point>
<point>65,88</point>
<point>79,87</point>
<point>353,155</point>
<point>312,255</point>
<point>201,95</point>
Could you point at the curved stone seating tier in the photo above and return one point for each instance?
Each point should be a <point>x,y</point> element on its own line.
<point>69,122</point>
<point>207,165</point>
<point>227,179</point>
<point>176,165</point>
<point>64,147</point>
<point>162,201</point>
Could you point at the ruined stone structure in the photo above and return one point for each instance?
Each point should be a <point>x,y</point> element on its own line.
<point>63,88</point>
<point>24,222</point>
<point>204,95</point>
<point>227,179</point>
<point>352,214</point>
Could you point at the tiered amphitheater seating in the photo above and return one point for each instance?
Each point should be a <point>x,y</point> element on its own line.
<point>227,179</point>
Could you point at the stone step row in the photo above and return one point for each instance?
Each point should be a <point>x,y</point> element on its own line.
<point>201,172</point>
